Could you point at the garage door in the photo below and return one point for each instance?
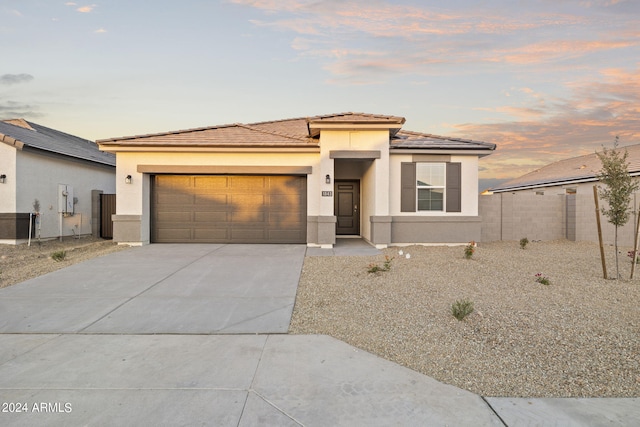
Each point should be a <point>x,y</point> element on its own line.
<point>229,209</point>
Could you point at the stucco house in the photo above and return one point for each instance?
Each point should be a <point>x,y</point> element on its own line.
<point>555,201</point>
<point>575,175</point>
<point>303,180</point>
<point>46,182</point>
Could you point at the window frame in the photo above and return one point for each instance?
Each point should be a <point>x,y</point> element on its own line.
<point>442,187</point>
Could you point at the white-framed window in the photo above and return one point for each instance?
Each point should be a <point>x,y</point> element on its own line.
<point>430,186</point>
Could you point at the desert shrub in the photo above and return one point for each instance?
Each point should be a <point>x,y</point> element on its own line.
<point>469,249</point>
<point>524,242</point>
<point>59,255</point>
<point>540,278</point>
<point>375,268</point>
<point>461,309</point>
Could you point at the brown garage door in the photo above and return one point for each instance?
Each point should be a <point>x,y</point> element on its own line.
<point>229,209</point>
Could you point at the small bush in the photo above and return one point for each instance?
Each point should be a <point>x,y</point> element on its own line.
<point>59,256</point>
<point>461,309</point>
<point>469,249</point>
<point>374,268</point>
<point>542,279</point>
<point>387,263</point>
<point>524,242</point>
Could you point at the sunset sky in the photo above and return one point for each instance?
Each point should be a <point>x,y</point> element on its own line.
<point>544,80</point>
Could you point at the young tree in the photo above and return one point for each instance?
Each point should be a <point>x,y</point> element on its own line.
<point>619,187</point>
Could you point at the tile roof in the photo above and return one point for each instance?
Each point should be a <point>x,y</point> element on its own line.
<point>408,139</point>
<point>267,134</point>
<point>575,169</point>
<point>23,134</point>
<point>294,132</point>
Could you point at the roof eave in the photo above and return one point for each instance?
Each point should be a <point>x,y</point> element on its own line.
<point>480,152</point>
<point>114,148</point>
<point>11,141</point>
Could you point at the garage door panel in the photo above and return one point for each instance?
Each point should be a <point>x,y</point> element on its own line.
<point>245,217</point>
<point>172,181</point>
<point>212,200</point>
<point>286,219</point>
<point>243,201</point>
<point>248,183</point>
<point>211,182</point>
<point>281,201</point>
<point>175,217</point>
<point>249,234</point>
<point>228,209</point>
<point>175,198</point>
<point>209,234</point>
<point>211,217</point>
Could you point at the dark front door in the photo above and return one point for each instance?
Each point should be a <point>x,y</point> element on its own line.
<point>347,207</point>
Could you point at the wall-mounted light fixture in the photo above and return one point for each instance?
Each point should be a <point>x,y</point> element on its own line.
<point>127,179</point>
<point>327,179</point>
<point>3,178</point>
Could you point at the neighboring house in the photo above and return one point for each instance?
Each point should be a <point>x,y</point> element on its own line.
<point>555,202</point>
<point>304,180</point>
<point>46,181</point>
<point>570,176</point>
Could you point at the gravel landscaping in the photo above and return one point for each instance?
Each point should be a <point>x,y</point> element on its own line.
<point>577,337</point>
<point>22,262</point>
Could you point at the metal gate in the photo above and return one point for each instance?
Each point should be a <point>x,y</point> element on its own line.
<point>107,209</point>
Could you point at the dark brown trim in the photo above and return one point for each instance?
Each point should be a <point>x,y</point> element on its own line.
<point>407,187</point>
<point>226,170</point>
<point>354,154</point>
<point>15,226</point>
<point>454,187</point>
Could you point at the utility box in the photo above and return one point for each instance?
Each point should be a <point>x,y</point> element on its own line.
<point>65,199</point>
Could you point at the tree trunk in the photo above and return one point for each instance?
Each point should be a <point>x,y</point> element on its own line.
<point>616,244</point>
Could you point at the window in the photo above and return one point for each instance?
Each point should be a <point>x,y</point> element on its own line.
<point>430,184</point>
<point>430,187</point>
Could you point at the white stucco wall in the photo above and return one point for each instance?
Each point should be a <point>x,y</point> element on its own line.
<point>469,186</point>
<point>8,189</point>
<point>39,177</point>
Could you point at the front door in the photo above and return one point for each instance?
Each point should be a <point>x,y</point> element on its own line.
<point>347,207</point>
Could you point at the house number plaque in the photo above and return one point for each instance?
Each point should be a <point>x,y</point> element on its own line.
<point>327,194</point>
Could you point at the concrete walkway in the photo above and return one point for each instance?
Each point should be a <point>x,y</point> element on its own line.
<point>194,335</point>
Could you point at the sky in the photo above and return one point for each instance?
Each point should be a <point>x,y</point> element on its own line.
<point>543,79</point>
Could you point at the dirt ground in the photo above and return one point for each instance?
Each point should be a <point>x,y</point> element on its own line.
<point>22,262</point>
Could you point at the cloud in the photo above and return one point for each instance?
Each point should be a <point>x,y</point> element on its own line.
<point>82,9</point>
<point>428,40</point>
<point>594,114</point>
<point>12,79</point>
<point>13,109</point>
<point>87,9</point>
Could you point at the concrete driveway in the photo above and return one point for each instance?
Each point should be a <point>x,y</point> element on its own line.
<point>173,289</point>
<point>196,335</point>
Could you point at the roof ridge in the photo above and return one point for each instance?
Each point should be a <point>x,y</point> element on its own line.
<point>174,132</point>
